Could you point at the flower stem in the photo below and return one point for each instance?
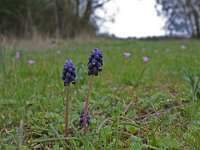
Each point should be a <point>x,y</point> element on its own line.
<point>86,106</point>
<point>67,112</point>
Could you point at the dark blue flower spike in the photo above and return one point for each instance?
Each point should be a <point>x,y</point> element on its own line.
<point>95,62</point>
<point>81,118</point>
<point>69,73</point>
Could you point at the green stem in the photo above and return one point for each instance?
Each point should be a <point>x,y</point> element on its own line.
<point>86,106</point>
<point>67,112</point>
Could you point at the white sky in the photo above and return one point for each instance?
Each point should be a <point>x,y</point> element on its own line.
<point>135,18</point>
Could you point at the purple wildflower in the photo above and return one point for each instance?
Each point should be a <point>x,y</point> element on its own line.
<point>68,63</point>
<point>96,51</point>
<point>145,58</point>
<point>82,118</point>
<point>68,76</point>
<point>17,55</point>
<point>95,62</point>
<point>31,62</point>
<point>69,73</point>
<point>127,54</point>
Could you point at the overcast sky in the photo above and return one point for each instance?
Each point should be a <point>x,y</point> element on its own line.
<point>135,18</point>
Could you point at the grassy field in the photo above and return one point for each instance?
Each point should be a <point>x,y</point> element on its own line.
<point>133,104</point>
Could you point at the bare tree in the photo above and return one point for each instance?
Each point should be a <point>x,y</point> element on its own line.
<point>62,18</point>
<point>183,16</point>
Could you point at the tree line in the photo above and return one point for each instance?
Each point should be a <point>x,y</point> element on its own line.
<point>68,18</point>
<point>63,18</point>
<point>183,16</point>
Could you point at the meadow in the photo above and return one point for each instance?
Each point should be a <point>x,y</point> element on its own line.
<point>134,104</point>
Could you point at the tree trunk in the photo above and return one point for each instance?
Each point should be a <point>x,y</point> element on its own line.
<point>196,22</point>
<point>56,21</point>
<point>77,8</point>
<point>88,12</point>
<point>60,4</point>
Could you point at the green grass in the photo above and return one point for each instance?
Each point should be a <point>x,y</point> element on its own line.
<point>133,104</point>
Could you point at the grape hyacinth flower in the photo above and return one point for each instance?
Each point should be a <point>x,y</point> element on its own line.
<point>68,77</point>
<point>87,118</point>
<point>69,73</point>
<point>95,64</point>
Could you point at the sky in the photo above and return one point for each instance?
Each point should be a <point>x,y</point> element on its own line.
<point>134,18</point>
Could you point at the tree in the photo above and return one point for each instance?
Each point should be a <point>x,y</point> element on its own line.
<point>183,16</point>
<point>62,18</point>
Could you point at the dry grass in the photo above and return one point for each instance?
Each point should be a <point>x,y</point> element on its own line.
<point>44,42</point>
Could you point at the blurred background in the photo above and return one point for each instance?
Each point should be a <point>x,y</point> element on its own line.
<point>113,18</point>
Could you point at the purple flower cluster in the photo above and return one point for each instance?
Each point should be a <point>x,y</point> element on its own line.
<point>127,54</point>
<point>31,62</point>
<point>145,58</point>
<point>81,118</point>
<point>17,55</point>
<point>69,73</point>
<point>95,63</point>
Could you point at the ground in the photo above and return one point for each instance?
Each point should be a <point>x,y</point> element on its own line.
<point>133,104</point>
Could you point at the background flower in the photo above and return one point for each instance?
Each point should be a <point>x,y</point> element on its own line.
<point>127,54</point>
<point>145,58</point>
<point>17,55</point>
<point>31,62</point>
